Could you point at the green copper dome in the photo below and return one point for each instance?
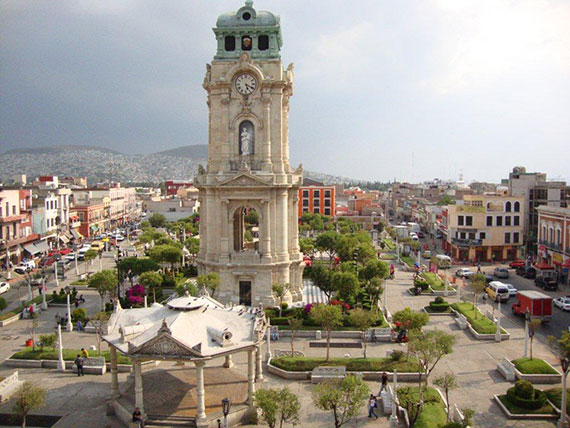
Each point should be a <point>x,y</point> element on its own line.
<point>247,30</point>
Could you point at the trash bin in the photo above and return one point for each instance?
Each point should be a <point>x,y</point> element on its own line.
<point>29,342</point>
<point>318,335</point>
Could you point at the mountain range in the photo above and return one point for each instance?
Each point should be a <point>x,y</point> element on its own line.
<point>99,164</point>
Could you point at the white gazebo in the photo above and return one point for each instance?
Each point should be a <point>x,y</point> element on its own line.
<point>185,329</point>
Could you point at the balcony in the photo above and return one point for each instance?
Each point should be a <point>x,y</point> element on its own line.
<point>12,242</point>
<point>551,245</point>
<point>12,218</point>
<point>467,242</point>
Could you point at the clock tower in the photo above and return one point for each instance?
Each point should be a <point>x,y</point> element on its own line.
<point>248,191</point>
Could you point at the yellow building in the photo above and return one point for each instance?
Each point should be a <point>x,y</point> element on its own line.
<point>486,228</point>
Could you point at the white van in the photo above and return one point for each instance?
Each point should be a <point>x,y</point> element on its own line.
<point>443,261</point>
<point>498,291</point>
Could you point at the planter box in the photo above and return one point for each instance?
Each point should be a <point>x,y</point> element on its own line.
<point>10,320</point>
<point>36,364</point>
<point>523,416</point>
<point>52,364</point>
<point>285,374</point>
<point>312,334</point>
<point>439,314</point>
<point>540,378</point>
<point>478,336</point>
<point>60,305</point>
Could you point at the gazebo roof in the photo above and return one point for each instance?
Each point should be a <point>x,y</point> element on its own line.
<point>185,328</point>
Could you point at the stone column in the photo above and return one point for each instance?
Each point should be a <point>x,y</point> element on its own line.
<point>228,363</point>
<point>139,395</point>
<point>224,240</point>
<point>266,149</point>
<point>200,405</point>
<point>258,365</point>
<point>114,374</point>
<point>250,377</point>
<point>268,339</point>
<point>282,229</point>
<point>266,232</point>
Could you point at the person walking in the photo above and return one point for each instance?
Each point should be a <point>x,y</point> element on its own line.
<point>384,385</point>
<point>137,418</point>
<point>371,406</point>
<point>79,363</point>
<point>478,267</point>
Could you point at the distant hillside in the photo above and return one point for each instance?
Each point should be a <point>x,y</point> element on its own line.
<point>59,149</point>
<point>198,151</point>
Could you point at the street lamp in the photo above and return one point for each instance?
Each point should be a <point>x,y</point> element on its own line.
<point>526,331</point>
<point>565,362</point>
<point>226,404</point>
<point>69,325</point>
<point>29,282</point>
<point>44,290</point>
<point>118,261</point>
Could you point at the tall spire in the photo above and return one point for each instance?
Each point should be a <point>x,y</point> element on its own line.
<point>249,3</point>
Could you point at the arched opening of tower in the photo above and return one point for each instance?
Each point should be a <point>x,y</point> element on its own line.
<point>246,229</point>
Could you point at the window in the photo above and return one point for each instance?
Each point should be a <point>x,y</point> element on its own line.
<point>327,211</point>
<point>230,43</point>
<point>316,193</point>
<point>305,210</point>
<point>515,237</point>
<point>517,207</point>
<point>0,211</point>
<point>471,235</point>
<point>305,202</point>
<point>558,233</point>
<point>499,221</point>
<point>316,203</point>
<point>482,235</point>
<point>489,220</point>
<point>507,220</point>
<point>468,220</point>
<point>462,235</point>
<point>460,220</point>
<point>263,42</point>
<point>246,43</point>
<point>508,207</point>
<point>316,210</point>
<point>507,237</point>
<point>327,202</point>
<point>516,220</point>
<point>327,193</point>
<point>13,209</point>
<point>305,193</point>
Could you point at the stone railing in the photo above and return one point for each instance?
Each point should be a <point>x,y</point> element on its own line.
<point>9,386</point>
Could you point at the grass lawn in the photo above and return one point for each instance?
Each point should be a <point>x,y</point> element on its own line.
<point>433,413</point>
<point>19,309</point>
<point>300,364</point>
<point>514,409</point>
<point>482,324</point>
<point>389,244</point>
<point>555,395</point>
<point>407,260</point>
<point>79,282</point>
<point>534,366</point>
<point>387,256</point>
<point>433,279</point>
<point>68,355</point>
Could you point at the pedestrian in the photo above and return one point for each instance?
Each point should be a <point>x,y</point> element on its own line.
<point>66,320</point>
<point>371,406</point>
<point>84,353</point>
<point>137,418</point>
<point>384,385</point>
<point>79,363</point>
<point>57,319</point>
<point>478,267</point>
<point>79,326</point>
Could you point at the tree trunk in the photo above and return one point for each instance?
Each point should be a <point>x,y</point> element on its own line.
<point>364,342</point>
<point>23,421</point>
<point>328,343</point>
<point>531,339</point>
<point>448,407</point>
<point>280,309</point>
<point>292,348</point>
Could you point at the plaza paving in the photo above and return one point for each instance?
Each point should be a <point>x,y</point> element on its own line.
<point>82,400</point>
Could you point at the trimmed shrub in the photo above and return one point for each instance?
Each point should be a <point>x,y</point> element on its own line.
<point>524,395</point>
<point>439,304</point>
<point>79,314</point>
<point>524,389</point>
<point>439,299</point>
<point>284,306</point>
<point>279,320</point>
<point>397,355</point>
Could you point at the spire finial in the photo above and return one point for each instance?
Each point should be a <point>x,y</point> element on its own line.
<point>249,3</point>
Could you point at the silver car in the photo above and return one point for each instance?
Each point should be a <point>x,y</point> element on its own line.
<point>501,272</point>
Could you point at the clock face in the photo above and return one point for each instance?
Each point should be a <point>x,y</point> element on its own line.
<point>246,84</point>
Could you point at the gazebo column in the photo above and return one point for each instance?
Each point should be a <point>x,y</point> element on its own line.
<point>250,376</point>
<point>258,364</point>
<point>200,393</point>
<point>228,363</point>
<point>139,395</point>
<point>114,374</point>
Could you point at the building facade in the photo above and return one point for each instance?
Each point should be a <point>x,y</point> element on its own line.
<point>15,225</point>
<point>316,198</point>
<point>554,239</point>
<point>248,164</point>
<point>485,228</point>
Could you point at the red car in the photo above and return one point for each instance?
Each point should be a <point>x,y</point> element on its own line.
<point>64,251</point>
<point>517,264</point>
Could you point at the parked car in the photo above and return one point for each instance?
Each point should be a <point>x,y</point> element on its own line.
<point>527,272</point>
<point>48,261</point>
<point>498,291</point>
<point>463,273</point>
<point>562,303</point>
<point>512,290</point>
<point>64,251</point>
<point>4,286</point>
<point>118,238</point>
<point>501,272</point>
<point>28,263</point>
<point>517,264</point>
<point>70,256</point>
<point>546,282</point>
<point>21,270</point>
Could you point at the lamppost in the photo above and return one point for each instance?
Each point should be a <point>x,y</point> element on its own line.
<point>565,362</point>
<point>226,404</point>
<point>69,325</point>
<point>8,271</point>
<point>29,282</point>
<point>44,290</point>
<point>60,361</point>
<point>526,335</point>
<point>118,262</point>
<point>498,332</point>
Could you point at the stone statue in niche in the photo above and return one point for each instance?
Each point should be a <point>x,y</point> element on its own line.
<point>246,138</point>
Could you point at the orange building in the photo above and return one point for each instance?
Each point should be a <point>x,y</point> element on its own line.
<point>316,198</point>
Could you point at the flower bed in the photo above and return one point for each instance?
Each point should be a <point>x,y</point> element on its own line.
<point>308,324</point>
<point>482,324</point>
<point>352,364</point>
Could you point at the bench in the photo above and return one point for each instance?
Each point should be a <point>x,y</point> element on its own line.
<point>489,314</point>
<point>386,399</point>
<point>282,353</point>
<point>93,365</point>
<point>324,373</point>
<point>507,369</point>
<point>379,335</point>
<point>461,321</point>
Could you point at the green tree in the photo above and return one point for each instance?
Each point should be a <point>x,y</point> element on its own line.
<point>328,242</point>
<point>152,281</point>
<point>138,265</point>
<point>47,340</point>
<point>294,325</point>
<point>446,382</point>
<point>362,320</point>
<point>374,269</point>
<point>478,284</point>
<point>446,200</point>
<point>321,277</point>
<point>280,290</point>
<point>278,406</point>
<point>104,282</point>
<point>166,254</point>
<point>98,321</point>
<point>28,398</point>
<point>3,304</point>
<point>346,285</point>
<point>307,245</point>
<point>193,247</point>
<point>329,317</point>
<point>412,321</point>
<point>374,288</point>
<point>533,327</point>
<point>252,217</point>
<point>157,220</point>
<point>211,281</point>
<point>89,256</point>
<point>343,398</point>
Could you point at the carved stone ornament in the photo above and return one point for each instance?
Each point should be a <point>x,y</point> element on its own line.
<point>245,180</point>
<point>165,345</point>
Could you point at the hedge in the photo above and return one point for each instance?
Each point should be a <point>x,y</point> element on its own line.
<point>439,307</point>
<point>68,355</point>
<point>301,364</point>
<point>532,404</point>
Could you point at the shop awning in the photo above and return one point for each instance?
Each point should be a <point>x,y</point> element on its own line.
<point>32,249</point>
<point>63,239</point>
<point>42,246</point>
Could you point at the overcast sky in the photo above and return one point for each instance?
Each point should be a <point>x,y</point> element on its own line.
<point>411,90</point>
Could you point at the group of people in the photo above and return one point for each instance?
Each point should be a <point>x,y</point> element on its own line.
<point>373,399</point>
<point>80,361</point>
